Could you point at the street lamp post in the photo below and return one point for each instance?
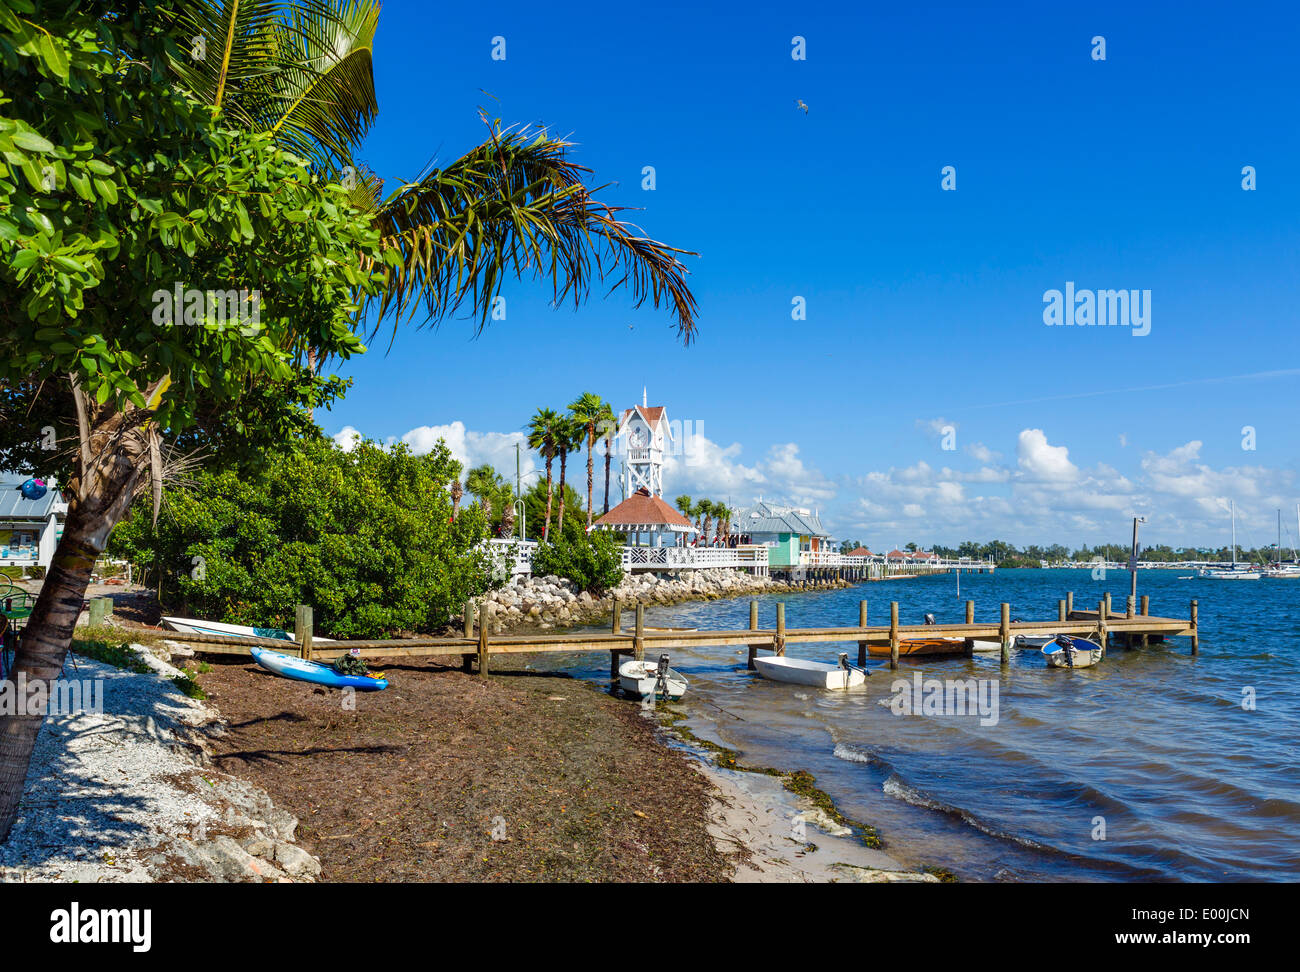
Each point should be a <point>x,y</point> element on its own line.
<point>1133,560</point>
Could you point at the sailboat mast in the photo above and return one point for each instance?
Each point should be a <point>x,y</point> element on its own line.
<point>1234,532</point>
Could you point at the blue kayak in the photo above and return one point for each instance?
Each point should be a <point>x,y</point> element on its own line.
<point>310,671</point>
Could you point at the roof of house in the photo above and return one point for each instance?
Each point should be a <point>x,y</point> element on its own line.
<point>14,506</point>
<point>769,518</point>
<point>641,509</point>
<point>860,552</point>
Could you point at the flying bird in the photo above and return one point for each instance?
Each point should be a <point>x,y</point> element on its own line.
<point>799,104</point>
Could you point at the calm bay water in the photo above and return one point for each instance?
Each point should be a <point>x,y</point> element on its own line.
<point>1191,785</point>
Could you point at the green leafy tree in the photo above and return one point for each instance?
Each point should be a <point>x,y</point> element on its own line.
<point>366,537</point>
<point>592,561</point>
<point>185,235</point>
<point>536,500</point>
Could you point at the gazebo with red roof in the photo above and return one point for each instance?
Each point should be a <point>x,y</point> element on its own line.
<point>644,513</point>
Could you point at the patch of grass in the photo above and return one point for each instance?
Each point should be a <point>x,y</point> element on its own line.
<point>189,686</point>
<point>115,653</point>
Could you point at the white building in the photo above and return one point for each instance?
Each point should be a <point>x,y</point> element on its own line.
<point>29,529</point>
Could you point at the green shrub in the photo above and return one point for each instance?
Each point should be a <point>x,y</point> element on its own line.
<point>365,537</point>
<point>593,562</point>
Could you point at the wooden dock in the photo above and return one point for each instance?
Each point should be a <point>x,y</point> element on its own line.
<point>1135,626</point>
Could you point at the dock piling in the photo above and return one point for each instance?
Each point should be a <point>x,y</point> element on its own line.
<point>1194,615</point>
<point>616,622</point>
<point>1069,604</point>
<point>753,626</point>
<point>638,639</point>
<point>970,619</point>
<point>303,629</point>
<point>1062,611</point>
<point>484,626</point>
<point>1004,632</point>
<point>862,623</point>
<point>1103,613</point>
<point>893,634</point>
<point>778,644</point>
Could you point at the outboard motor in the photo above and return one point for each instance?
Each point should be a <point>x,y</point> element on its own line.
<point>844,660</point>
<point>1067,646</point>
<point>929,619</point>
<point>661,677</point>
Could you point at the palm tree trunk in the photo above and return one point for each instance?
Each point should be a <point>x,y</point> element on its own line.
<point>546,530</point>
<point>564,464</point>
<point>45,640</point>
<point>591,443</point>
<point>608,451</point>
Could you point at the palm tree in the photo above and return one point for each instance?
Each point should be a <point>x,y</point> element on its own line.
<point>706,508</point>
<point>683,503</point>
<point>587,410</point>
<point>485,483</point>
<point>607,430</point>
<point>302,71</point>
<point>568,436</point>
<point>457,491</point>
<point>542,428</point>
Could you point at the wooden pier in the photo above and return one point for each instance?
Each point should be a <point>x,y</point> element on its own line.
<point>1134,626</point>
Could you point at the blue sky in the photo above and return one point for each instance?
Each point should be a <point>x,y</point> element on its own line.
<point>924,306</point>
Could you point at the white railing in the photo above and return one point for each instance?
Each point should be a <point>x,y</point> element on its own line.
<point>516,556</point>
<point>694,558</point>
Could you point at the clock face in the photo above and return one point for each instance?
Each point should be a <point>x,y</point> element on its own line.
<point>639,438</point>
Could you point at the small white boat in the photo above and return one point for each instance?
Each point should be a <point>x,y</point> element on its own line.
<point>645,679</point>
<point>1068,652</point>
<point>1214,573</point>
<point>818,674</point>
<point>195,626</point>
<point>1035,640</point>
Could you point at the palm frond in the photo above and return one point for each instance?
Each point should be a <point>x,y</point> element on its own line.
<point>515,205</point>
<point>300,70</point>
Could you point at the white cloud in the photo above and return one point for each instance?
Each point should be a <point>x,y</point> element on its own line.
<point>1041,461</point>
<point>347,438</point>
<point>982,453</point>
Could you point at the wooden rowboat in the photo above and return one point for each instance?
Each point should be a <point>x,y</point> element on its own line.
<point>923,647</point>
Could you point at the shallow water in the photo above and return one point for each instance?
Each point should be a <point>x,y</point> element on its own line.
<point>1153,745</point>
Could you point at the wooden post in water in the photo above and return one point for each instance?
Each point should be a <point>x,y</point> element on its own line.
<point>1196,627</point>
<point>779,643</point>
<point>302,623</point>
<point>893,634</point>
<point>1130,606</point>
<point>638,639</point>
<point>1146,610</point>
<point>753,626</point>
<point>1062,612</point>
<point>484,626</point>
<point>1069,604</point>
<point>862,623</point>
<point>1103,613</point>
<point>970,619</point>
<point>1004,632</point>
<point>1108,610</point>
<point>616,622</point>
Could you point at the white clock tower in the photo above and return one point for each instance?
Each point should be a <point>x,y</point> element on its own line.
<point>643,435</point>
